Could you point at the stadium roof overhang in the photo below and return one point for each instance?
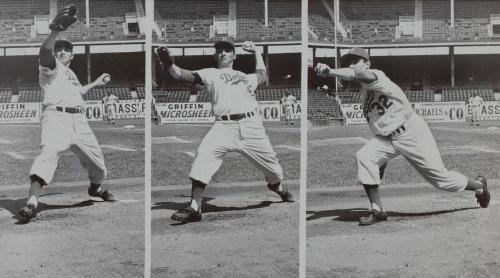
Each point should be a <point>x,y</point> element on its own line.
<point>115,46</point>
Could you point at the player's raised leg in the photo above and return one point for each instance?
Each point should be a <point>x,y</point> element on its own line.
<point>371,162</point>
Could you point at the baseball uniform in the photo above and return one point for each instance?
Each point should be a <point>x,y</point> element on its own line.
<point>398,130</point>
<point>476,103</point>
<point>233,97</point>
<point>64,126</point>
<point>288,102</point>
<point>110,102</point>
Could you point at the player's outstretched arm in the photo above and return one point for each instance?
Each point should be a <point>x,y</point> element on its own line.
<point>46,54</point>
<point>260,66</point>
<point>100,81</point>
<point>166,62</point>
<point>349,74</point>
<point>64,18</point>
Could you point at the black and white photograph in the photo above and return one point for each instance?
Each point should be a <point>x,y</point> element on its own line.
<point>226,138</point>
<point>72,114</point>
<point>403,126</point>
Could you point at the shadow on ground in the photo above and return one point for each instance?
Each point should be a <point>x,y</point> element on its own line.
<point>353,214</point>
<point>13,206</point>
<point>208,208</point>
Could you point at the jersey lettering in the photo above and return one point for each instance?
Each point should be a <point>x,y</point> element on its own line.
<point>381,104</point>
<point>233,78</point>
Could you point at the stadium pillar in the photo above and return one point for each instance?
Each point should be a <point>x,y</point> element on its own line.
<point>153,72</point>
<point>452,66</point>
<point>452,13</point>
<point>87,57</point>
<point>266,60</point>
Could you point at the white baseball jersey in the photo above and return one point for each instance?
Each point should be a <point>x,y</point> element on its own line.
<point>387,109</point>
<point>385,105</point>
<point>232,91</point>
<point>62,131</point>
<point>110,100</point>
<point>60,86</point>
<point>476,101</point>
<point>288,100</point>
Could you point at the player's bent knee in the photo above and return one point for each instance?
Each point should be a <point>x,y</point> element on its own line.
<point>35,177</point>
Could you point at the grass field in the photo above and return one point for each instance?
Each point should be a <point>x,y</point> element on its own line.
<point>123,152</point>
<point>331,154</point>
<point>174,147</point>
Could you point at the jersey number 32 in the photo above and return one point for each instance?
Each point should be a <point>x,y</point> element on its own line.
<point>381,104</point>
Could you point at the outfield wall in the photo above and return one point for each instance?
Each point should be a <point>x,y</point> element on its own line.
<point>430,111</point>
<point>201,112</point>
<point>30,112</point>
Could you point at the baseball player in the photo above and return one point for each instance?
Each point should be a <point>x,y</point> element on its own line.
<point>64,124</point>
<point>288,101</point>
<point>398,131</point>
<point>238,126</point>
<point>476,103</point>
<point>110,100</point>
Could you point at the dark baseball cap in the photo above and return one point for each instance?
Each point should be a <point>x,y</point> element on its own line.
<point>355,53</point>
<point>63,44</point>
<point>224,45</point>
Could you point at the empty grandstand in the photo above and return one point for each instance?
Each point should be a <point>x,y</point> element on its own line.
<point>374,21</point>
<point>207,21</point>
<point>28,20</point>
<point>436,51</point>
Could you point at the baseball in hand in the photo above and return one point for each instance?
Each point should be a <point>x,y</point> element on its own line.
<point>248,46</point>
<point>106,78</point>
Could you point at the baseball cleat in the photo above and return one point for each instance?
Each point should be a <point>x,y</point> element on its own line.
<point>483,198</point>
<point>103,194</point>
<point>286,196</point>
<point>187,215</point>
<point>26,213</point>
<point>373,217</point>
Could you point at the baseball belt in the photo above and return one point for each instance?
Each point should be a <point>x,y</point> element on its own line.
<point>236,117</point>
<point>70,110</point>
<point>398,130</point>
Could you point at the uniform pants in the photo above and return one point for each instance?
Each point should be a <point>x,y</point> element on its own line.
<point>110,110</point>
<point>247,137</point>
<point>476,111</point>
<point>288,112</point>
<point>63,131</point>
<point>418,146</point>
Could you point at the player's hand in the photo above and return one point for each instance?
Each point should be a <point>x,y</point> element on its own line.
<point>164,58</point>
<point>103,79</point>
<point>64,18</point>
<point>249,46</point>
<point>322,70</point>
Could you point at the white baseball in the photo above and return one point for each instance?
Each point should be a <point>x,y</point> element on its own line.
<point>106,78</point>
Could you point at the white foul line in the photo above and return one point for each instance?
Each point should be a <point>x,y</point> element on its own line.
<point>118,148</point>
<point>288,147</point>
<point>15,155</point>
<point>5,141</point>
<point>173,138</point>
<point>191,154</point>
<point>486,150</point>
<point>342,140</point>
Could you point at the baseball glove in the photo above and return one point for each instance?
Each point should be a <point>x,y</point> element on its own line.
<point>64,18</point>
<point>164,58</point>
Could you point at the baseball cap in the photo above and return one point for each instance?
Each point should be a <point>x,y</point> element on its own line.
<point>63,44</point>
<point>354,53</point>
<point>224,45</point>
